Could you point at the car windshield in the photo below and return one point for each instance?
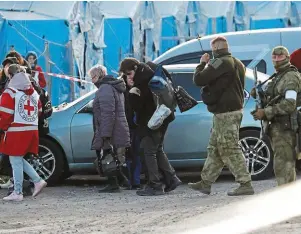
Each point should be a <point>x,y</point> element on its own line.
<point>68,104</point>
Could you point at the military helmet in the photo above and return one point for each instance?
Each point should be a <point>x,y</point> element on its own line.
<point>280,50</point>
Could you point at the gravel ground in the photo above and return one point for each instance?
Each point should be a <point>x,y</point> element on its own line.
<point>77,207</point>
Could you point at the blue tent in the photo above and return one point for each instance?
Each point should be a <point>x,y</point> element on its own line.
<point>32,31</point>
<point>71,37</point>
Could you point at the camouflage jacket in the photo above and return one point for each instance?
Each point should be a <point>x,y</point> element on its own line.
<point>286,80</point>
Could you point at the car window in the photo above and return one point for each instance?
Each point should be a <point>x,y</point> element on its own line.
<point>185,80</point>
<point>261,66</point>
<point>195,58</point>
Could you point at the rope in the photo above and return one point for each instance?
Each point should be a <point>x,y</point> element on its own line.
<point>50,61</point>
<point>50,42</point>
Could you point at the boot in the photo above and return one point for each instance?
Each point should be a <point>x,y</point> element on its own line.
<point>201,187</point>
<point>174,183</point>
<point>243,189</point>
<point>151,191</point>
<point>112,186</point>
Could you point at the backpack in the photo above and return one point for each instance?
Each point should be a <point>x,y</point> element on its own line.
<point>162,88</point>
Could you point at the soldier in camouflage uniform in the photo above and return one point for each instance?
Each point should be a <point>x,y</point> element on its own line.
<point>282,130</point>
<point>224,76</point>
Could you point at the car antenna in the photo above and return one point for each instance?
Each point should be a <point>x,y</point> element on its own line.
<point>198,38</point>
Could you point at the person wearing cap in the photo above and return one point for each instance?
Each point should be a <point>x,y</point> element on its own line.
<point>31,57</point>
<point>19,111</point>
<point>282,132</point>
<point>224,77</point>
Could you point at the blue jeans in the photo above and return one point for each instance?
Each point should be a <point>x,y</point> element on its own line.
<point>20,165</point>
<point>134,162</point>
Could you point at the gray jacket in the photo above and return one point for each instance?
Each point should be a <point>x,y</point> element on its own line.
<point>109,120</point>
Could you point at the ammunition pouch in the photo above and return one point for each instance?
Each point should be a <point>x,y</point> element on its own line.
<point>284,121</point>
<point>288,122</point>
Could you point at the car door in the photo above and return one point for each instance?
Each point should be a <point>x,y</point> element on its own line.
<point>188,135</point>
<point>82,134</point>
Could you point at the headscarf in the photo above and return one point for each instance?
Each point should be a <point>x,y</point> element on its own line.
<point>20,81</point>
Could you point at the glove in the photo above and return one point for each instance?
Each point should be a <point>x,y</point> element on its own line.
<point>258,114</point>
<point>135,90</point>
<point>253,93</point>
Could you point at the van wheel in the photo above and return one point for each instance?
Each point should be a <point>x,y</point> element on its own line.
<point>258,154</point>
<point>50,162</point>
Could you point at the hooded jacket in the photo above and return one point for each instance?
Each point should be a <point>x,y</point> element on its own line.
<point>144,105</point>
<point>129,111</point>
<point>19,138</point>
<point>109,120</point>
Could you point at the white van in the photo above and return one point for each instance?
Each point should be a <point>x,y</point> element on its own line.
<point>251,47</point>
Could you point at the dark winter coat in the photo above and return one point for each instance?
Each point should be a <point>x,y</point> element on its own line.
<point>109,120</point>
<point>129,111</point>
<point>144,105</point>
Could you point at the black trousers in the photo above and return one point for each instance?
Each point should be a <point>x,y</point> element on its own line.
<point>155,158</point>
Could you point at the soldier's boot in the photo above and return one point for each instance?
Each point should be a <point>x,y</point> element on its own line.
<point>112,186</point>
<point>243,189</point>
<point>200,186</point>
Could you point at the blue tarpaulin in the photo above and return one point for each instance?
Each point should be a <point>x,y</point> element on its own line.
<point>106,32</point>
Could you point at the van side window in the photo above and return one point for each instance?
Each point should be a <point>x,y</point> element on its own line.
<point>185,80</point>
<point>261,66</point>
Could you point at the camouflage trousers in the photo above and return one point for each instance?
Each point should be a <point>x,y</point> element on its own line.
<point>283,143</point>
<point>223,149</point>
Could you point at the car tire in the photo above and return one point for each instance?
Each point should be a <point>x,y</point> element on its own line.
<point>50,162</point>
<point>258,153</point>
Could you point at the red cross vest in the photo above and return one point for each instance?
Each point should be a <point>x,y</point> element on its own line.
<point>26,108</point>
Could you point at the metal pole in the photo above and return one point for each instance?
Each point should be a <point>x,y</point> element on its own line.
<point>48,68</point>
<point>72,83</point>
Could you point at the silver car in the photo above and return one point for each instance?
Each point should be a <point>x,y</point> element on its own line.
<point>66,149</point>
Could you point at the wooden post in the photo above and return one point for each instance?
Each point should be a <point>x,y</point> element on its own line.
<point>48,78</point>
<point>71,71</point>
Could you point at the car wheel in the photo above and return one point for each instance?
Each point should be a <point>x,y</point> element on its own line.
<point>50,162</point>
<point>258,154</point>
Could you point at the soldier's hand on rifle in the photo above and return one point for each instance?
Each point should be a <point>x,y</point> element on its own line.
<point>258,114</point>
<point>253,93</point>
<point>205,58</point>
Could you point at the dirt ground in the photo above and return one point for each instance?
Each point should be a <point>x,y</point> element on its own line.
<point>77,207</point>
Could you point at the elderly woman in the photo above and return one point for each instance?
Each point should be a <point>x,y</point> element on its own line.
<point>109,120</point>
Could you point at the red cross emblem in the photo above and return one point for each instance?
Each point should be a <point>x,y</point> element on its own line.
<point>28,107</point>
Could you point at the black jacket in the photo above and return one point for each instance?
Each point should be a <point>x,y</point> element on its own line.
<point>144,105</point>
<point>129,111</point>
<point>225,76</point>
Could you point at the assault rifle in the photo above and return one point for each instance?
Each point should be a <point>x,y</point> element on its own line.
<point>261,100</point>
